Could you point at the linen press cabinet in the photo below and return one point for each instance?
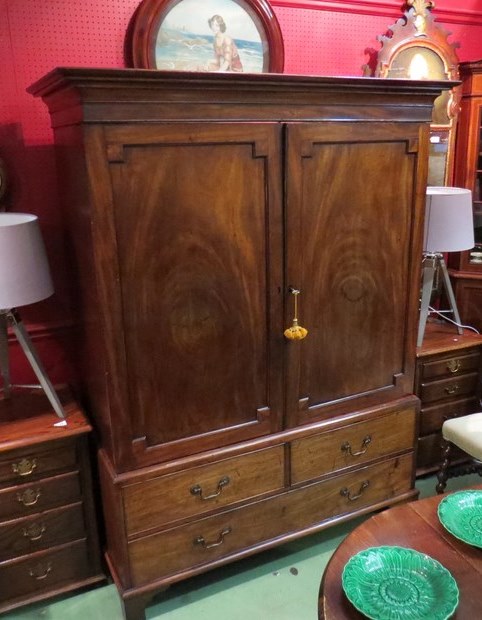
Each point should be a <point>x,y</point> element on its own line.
<point>197,204</point>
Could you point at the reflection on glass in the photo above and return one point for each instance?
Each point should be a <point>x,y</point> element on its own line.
<point>475,256</point>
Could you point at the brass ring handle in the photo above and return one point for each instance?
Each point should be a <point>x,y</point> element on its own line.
<point>346,493</point>
<point>452,389</point>
<point>29,497</point>
<point>201,541</point>
<point>295,332</point>
<point>35,531</point>
<point>40,571</point>
<point>453,366</point>
<point>346,447</point>
<point>197,489</point>
<point>25,467</point>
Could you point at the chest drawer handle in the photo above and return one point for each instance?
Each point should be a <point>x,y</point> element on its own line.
<point>452,389</point>
<point>29,497</point>
<point>35,531</point>
<point>25,467</point>
<point>346,493</point>
<point>346,447</point>
<point>453,366</point>
<point>197,489</point>
<point>200,539</point>
<point>40,571</point>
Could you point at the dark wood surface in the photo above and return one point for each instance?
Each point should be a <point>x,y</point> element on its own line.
<point>414,525</point>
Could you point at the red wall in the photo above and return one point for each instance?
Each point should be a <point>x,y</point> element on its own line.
<point>320,37</point>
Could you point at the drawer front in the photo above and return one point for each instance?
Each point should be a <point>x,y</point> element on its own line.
<point>23,465</point>
<point>432,418</point>
<point>212,538</point>
<point>352,445</point>
<point>454,387</point>
<point>50,528</point>
<point>34,497</point>
<point>451,366</point>
<point>429,452</point>
<point>44,571</point>
<point>165,499</point>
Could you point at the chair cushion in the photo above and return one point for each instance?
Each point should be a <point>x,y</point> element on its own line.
<point>466,433</point>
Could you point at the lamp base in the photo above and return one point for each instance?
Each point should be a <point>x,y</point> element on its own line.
<point>430,265</point>
<point>12,318</point>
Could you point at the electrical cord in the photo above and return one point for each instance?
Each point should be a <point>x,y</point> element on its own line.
<point>446,318</point>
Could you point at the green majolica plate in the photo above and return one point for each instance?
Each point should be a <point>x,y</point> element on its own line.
<point>461,514</point>
<point>396,583</point>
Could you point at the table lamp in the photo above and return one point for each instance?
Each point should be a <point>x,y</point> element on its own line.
<point>449,227</point>
<point>24,279</point>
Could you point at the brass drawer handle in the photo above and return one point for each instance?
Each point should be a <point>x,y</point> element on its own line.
<point>346,493</point>
<point>346,447</point>
<point>200,540</point>
<point>452,389</point>
<point>25,467</point>
<point>40,571</point>
<point>197,489</point>
<point>453,365</point>
<point>35,531</point>
<point>29,497</point>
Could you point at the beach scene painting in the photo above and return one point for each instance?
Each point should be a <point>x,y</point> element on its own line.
<point>211,35</point>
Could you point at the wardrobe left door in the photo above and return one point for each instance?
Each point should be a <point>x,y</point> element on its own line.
<point>191,272</point>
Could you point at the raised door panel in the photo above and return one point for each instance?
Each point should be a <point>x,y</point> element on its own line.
<point>196,222</point>
<point>354,207</point>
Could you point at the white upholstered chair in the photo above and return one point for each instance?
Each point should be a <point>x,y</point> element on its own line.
<point>464,432</point>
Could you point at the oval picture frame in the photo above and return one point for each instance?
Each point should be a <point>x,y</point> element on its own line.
<point>178,35</point>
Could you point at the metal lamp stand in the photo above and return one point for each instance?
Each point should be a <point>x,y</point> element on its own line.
<point>430,264</point>
<point>12,319</point>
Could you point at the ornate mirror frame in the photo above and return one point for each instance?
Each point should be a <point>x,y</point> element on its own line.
<point>417,48</point>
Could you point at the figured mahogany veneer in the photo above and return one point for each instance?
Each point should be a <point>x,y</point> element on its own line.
<point>196,202</point>
<point>48,531</point>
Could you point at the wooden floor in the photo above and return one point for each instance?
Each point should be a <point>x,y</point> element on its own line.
<point>280,584</point>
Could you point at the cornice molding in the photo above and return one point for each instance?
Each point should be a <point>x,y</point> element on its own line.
<point>381,8</point>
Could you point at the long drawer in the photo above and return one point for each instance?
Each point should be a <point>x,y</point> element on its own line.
<point>202,489</point>
<point>43,571</point>
<point>210,538</point>
<point>352,445</point>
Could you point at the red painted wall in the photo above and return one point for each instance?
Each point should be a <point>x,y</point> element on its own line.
<point>320,37</point>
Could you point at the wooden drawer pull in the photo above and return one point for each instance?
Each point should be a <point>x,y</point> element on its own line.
<point>40,571</point>
<point>453,366</point>
<point>25,467</point>
<point>29,497</point>
<point>346,493</point>
<point>346,447</point>
<point>35,531</point>
<point>197,489</point>
<point>452,389</point>
<point>200,540</point>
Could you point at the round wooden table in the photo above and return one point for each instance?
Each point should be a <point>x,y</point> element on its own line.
<point>413,525</point>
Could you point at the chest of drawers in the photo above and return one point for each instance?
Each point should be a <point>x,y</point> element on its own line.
<point>448,383</point>
<point>48,533</point>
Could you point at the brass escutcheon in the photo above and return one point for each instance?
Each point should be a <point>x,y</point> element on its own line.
<point>29,497</point>
<point>451,389</point>
<point>24,467</point>
<point>35,531</point>
<point>40,571</point>
<point>453,366</point>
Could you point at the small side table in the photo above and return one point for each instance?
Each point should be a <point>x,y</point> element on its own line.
<point>48,531</point>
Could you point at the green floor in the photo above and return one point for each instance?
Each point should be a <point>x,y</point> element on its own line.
<point>280,584</point>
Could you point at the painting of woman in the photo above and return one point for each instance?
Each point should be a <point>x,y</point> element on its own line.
<point>225,51</point>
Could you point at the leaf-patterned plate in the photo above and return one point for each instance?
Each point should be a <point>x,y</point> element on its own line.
<point>397,583</point>
<point>461,514</point>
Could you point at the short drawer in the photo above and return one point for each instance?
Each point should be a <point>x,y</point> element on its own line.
<point>451,365</point>
<point>222,535</point>
<point>195,491</point>
<point>352,445</point>
<point>429,453</point>
<point>22,465</point>
<point>36,496</point>
<point>47,529</point>
<point>455,387</point>
<point>43,571</point>
<point>433,417</point>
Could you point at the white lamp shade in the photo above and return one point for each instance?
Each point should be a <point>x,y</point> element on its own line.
<point>24,270</point>
<point>449,221</point>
